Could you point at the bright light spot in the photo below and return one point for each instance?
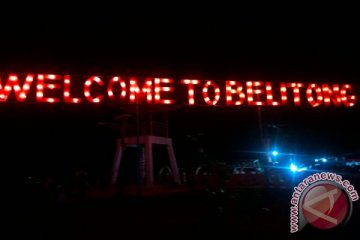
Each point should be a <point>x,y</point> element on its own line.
<point>302,169</point>
<point>324,160</point>
<point>13,78</point>
<point>26,86</point>
<point>51,76</point>
<point>275,153</point>
<point>17,88</point>
<point>166,89</point>
<point>293,167</point>
<point>186,81</point>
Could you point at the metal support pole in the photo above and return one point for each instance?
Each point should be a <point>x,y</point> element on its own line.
<point>140,150</point>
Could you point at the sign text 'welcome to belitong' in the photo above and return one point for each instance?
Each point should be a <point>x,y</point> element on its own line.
<point>75,89</point>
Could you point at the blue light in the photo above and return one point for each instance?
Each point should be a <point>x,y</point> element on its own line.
<point>293,167</point>
<point>275,153</point>
<point>302,169</point>
<point>324,160</point>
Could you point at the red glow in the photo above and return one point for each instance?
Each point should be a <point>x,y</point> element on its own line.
<point>310,95</point>
<point>216,91</point>
<point>348,100</point>
<point>233,88</point>
<point>253,90</point>
<point>135,90</point>
<point>159,88</point>
<point>67,97</point>
<point>42,85</point>
<point>269,95</point>
<point>283,94</point>
<point>331,95</point>
<point>296,92</point>
<point>13,83</point>
<point>191,91</point>
<point>87,88</point>
<point>110,89</point>
<point>51,88</point>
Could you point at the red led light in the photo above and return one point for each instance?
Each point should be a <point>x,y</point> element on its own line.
<point>67,87</point>
<point>283,94</point>
<point>13,84</point>
<point>254,89</point>
<point>347,100</point>
<point>53,88</point>
<point>233,89</point>
<point>269,95</point>
<point>87,87</point>
<point>122,85</point>
<point>331,95</point>
<point>159,88</point>
<point>314,88</point>
<point>191,91</point>
<point>42,85</point>
<point>296,92</point>
<point>216,91</point>
<point>135,94</point>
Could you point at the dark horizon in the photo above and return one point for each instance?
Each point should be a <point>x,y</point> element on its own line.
<point>47,137</point>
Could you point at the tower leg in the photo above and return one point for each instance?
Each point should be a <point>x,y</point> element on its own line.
<point>173,164</point>
<point>117,160</point>
<point>149,167</point>
<point>148,142</point>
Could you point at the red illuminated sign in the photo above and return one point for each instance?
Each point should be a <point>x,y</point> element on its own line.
<point>51,88</point>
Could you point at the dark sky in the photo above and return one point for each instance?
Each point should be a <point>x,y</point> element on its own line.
<point>182,40</point>
<point>187,41</point>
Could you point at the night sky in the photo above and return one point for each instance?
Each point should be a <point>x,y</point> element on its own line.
<point>229,43</point>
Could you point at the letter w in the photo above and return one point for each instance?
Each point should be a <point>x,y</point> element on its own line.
<point>12,83</point>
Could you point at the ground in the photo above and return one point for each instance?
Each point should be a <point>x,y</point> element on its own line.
<point>246,213</point>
